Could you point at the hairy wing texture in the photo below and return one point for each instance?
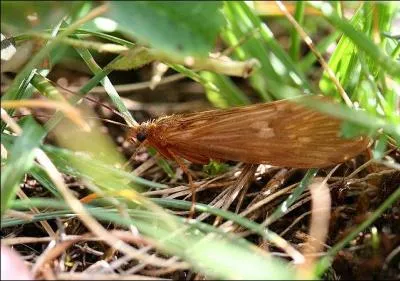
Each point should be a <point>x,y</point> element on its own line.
<point>281,133</point>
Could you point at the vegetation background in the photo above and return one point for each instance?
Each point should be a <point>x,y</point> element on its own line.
<point>76,60</point>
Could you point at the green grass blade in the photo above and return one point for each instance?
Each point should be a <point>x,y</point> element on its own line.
<point>23,92</point>
<point>228,93</point>
<point>237,258</point>
<point>284,206</point>
<point>276,64</point>
<point>308,60</point>
<point>22,154</point>
<point>294,50</point>
<point>95,170</point>
<point>360,39</point>
<point>41,176</point>
<point>326,261</point>
<point>27,70</point>
<point>88,58</point>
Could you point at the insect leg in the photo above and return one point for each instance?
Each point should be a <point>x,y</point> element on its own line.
<point>132,158</point>
<point>190,178</point>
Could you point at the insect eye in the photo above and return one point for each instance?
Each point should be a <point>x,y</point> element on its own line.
<point>141,136</point>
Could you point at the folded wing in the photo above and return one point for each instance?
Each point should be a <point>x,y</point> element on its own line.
<point>281,133</point>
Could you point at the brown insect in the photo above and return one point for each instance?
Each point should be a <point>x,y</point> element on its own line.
<point>281,133</point>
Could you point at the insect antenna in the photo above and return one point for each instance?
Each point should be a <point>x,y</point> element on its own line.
<point>88,117</point>
<point>90,99</point>
<point>110,121</point>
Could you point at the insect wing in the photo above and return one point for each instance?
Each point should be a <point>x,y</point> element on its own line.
<point>281,133</point>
